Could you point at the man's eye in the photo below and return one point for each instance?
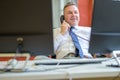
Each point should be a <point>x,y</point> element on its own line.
<point>76,12</point>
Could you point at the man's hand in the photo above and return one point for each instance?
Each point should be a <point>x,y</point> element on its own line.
<point>64,27</point>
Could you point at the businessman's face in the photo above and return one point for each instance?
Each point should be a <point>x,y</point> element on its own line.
<point>71,15</point>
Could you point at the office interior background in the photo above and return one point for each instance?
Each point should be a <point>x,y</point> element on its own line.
<point>83,5</point>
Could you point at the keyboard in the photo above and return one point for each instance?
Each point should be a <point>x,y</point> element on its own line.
<point>70,61</point>
<point>19,67</point>
<point>112,62</point>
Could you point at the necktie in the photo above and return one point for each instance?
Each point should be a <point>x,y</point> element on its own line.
<point>76,43</point>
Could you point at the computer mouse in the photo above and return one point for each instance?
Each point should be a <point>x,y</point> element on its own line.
<point>12,62</point>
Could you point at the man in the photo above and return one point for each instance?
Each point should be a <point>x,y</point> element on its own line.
<point>63,42</point>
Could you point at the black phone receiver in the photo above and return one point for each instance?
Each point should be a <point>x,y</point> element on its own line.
<point>62,18</point>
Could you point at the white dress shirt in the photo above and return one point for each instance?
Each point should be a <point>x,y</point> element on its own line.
<point>63,44</point>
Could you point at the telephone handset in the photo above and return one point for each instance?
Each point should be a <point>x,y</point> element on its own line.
<point>62,18</point>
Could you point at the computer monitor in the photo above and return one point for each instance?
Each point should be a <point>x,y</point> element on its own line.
<point>26,26</point>
<point>105,34</point>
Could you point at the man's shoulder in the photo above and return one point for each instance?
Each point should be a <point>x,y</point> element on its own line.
<point>84,31</point>
<point>85,27</point>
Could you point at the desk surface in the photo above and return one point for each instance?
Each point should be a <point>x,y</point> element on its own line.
<point>50,72</point>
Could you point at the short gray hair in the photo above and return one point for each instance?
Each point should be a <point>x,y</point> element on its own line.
<point>69,4</point>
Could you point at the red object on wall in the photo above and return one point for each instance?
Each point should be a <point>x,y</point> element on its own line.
<point>18,58</point>
<point>85,7</point>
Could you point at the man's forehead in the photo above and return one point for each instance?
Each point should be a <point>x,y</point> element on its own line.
<point>71,8</point>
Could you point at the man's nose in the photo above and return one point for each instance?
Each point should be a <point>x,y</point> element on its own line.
<point>73,14</point>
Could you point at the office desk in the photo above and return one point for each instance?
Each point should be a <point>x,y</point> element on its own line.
<point>71,72</point>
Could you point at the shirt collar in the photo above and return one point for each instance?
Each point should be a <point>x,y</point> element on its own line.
<point>76,27</point>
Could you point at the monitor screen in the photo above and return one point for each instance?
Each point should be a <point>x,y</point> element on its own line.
<point>26,26</point>
<point>105,34</point>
